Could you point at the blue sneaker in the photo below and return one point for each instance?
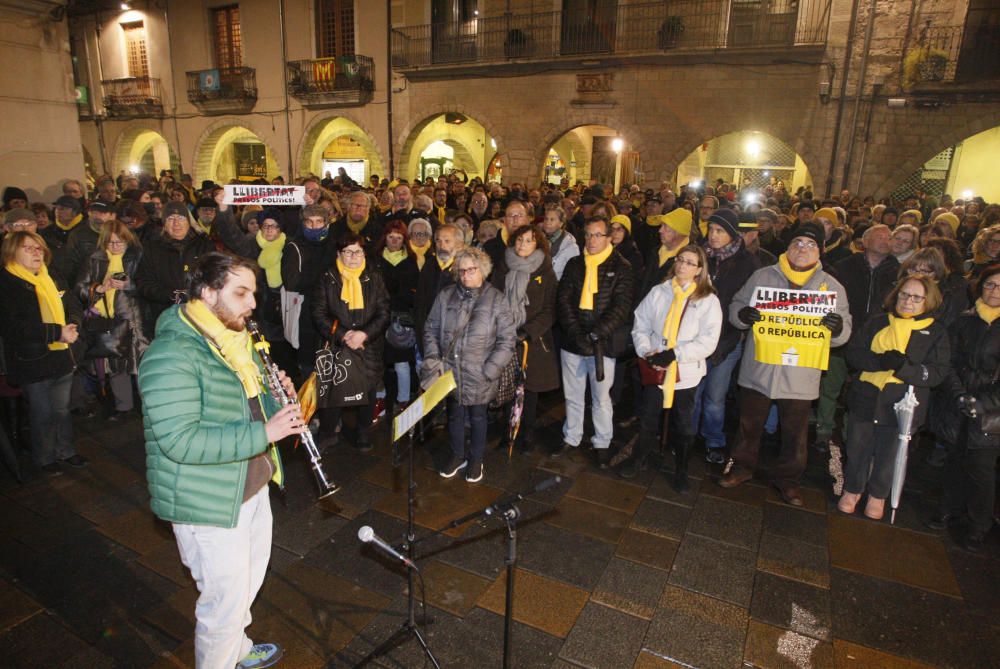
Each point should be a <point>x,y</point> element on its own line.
<point>262,655</point>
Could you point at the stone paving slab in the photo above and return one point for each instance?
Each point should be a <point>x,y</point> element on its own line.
<point>540,602</point>
<point>714,569</point>
<point>604,638</point>
<point>698,631</point>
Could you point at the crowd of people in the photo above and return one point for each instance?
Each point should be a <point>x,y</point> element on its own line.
<point>636,307</point>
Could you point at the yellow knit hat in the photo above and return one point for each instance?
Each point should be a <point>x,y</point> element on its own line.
<point>949,218</point>
<point>913,212</point>
<point>624,221</point>
<point>679,220</point>
<point>829,214</point>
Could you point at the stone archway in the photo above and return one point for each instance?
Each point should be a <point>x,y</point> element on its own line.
<point>213,156</point>
<point>736,155</point>
<point>143,147</point>
<point>413,136</point>
<point>325,129</point>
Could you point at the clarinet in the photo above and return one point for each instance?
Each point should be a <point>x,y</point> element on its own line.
<point>326,486</point>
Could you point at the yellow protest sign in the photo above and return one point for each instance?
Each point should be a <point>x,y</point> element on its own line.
<point>421,406</point>
<point>790,333</point>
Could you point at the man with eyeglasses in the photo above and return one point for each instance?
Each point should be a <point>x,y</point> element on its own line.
<point>358,220</point>
<point>595,313</point>
<point>515,216</point>
<point>82,240</point>
<point>402,206</point>
<point>792,387</point>
<point>19,219</point>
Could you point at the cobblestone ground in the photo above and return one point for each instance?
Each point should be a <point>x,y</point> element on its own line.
<point>610,573</point>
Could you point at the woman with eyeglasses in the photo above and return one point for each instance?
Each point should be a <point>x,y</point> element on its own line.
<point>470,332</point>
<point>39,320</point>
<point>106,284</point>
<point>350,308</point>
<point>907,346</point>
<point>930,262</point>
<point>972,426</point>
<point>676,329</point>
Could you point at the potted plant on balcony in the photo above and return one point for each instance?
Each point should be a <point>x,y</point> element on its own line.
<point>670,32</point>
<point>924,64</point>
<point>516,43</point>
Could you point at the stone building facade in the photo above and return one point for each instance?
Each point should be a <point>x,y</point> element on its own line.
<point>664,94</point>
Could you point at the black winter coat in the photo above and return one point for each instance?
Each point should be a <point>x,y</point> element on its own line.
<point>302,264</point>
<point>928,363</point>
<point>26,337</point>
<point>633,255</point>
<point>866,288</point>
<point>975,360</point>
<point>653,273</point>
<point>728,277</point>
<point>542,369</point>
<point>611,317</point>
<point>81,243</point>
<point>401,284</point>
<point>373,319</point>
<point>481,349</point>
<point>647,238</point>
<point>163,271</point>
<point>430,283</point>
<point>126,301</point>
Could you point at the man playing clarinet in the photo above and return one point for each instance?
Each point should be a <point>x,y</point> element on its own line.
<point>210,428</point>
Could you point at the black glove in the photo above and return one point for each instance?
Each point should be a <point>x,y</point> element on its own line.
<point>891,361</point>
<point>833,322</point>
<point>661,359</point>
<point>968,406</point>
<point>749,315</point>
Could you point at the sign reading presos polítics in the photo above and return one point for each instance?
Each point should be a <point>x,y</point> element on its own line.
<point>790,333</point>
<point>265,195</point>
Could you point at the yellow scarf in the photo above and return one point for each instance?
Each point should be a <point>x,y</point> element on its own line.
<point>703,226</point>
<point>666,254</point>
<point>504,235</point>
<point>893,337</point>
<point>796,277</point>
<point>49,298</point>
<point>445,265</point>
<point>394,257</point>
<point>235,348</point>
<point>72,224</point>
<point>115,265</point>
<point>198,225</point>
<point>356,228</point>
<point>420,251</point>
<point>671,326</point>
<point>440,214</point>
<point>351,292</point>
<point>591,263</point>
<point>986,312</point>
<point>270,258</point>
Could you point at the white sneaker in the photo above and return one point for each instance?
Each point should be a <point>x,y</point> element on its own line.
<point>262,655</point>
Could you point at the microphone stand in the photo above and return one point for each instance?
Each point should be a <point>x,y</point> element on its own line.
<point>408,628</point>
<point>507,511</point>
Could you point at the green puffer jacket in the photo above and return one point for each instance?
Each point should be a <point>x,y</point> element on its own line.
<point>198,429</point>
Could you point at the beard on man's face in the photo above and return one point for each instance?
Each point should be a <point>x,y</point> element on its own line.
<point>229,318</point>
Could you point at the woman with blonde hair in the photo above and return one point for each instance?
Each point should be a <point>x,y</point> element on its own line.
<point>985,251</point>
<point>106,285</point>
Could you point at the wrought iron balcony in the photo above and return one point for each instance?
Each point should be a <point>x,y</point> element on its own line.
<point>942,58</point>
<point>679,26</point>
<point>223,90</point>
<point>132,97</point>
<point>321,83</point>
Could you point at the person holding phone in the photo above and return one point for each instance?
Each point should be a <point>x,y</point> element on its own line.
<point>106,285</point>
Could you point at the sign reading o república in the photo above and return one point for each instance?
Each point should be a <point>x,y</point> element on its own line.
<point>790,333</point>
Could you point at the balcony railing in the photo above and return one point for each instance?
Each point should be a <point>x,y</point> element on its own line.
<point>132,97</point>
<point>646,28</point>
<point>947,54</point>
<point>223,90</point>
<point>345,81</point>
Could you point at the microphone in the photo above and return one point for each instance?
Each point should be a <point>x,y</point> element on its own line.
<point>547,483</point>
<point>504,504</point>
<point>367,535</point>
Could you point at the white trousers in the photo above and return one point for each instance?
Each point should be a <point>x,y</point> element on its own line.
<point>228,564</point>
<point>577,370</point>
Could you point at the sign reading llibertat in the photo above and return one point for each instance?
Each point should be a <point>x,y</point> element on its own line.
<point>790,333</point>
<point>265,195</point>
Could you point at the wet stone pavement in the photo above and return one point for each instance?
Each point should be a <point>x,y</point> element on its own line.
<point>610,573</point>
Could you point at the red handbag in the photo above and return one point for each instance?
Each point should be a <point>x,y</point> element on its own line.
<point>649,375</point>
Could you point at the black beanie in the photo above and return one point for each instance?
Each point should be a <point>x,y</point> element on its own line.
<point>728,220</point>
<point>13,193</point>
<point>813,231</point>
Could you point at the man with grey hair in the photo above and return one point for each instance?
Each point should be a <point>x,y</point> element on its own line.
<point>357,219</point>
<point>436,273</point>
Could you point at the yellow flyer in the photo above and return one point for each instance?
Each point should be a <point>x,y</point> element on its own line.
<point>790,333</point>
